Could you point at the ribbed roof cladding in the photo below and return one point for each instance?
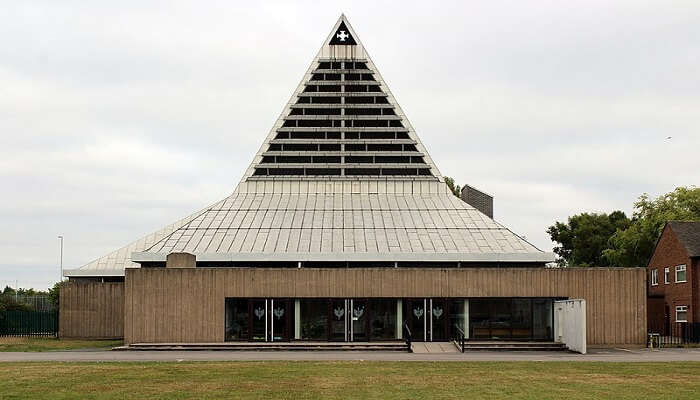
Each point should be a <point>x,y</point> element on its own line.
<point>342,176</point>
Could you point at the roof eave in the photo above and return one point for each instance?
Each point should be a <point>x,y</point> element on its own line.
<point>92,273</point>
<point>539,257</point>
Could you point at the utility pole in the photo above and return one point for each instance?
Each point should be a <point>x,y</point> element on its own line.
<point>61,239</point>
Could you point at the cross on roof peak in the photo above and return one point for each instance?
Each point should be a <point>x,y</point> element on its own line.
<point>343,35</point>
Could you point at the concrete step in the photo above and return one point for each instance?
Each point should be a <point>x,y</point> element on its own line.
<point>275,346</point>
<point>478,348</point>
<point>514,346</point>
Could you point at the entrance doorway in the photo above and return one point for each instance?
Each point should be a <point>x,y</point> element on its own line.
<point>262,320</point>
<point>346,320</point>
<point>427,319</point>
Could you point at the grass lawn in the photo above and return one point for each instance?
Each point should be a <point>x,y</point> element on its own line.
<point>350,380</point>
<point>52,344</point>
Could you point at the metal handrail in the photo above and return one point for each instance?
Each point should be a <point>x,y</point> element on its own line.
<point>407,336</point>
<point>458,337</point>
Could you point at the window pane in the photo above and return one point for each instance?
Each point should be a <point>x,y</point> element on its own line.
<point>542,319</point>
<point>680,273</point>
<point>382,322</point>
<point>314,319</point>
<point>479,319</point>
<point>681,313</point>
<point>501,319</point>
<point>522,318</point>
<point>457,314</point>
<point>236,319</point>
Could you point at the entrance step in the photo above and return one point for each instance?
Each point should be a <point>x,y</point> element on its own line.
<point>269,346</point>
<point>513,346</point>
<point>433,347</point>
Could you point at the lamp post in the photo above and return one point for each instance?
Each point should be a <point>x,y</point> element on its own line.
<point>61,239</point>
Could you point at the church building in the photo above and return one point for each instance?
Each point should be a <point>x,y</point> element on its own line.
<point>342,229</point>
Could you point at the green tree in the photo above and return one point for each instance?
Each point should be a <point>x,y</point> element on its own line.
<point>456,190</point>
<point>31,292</point>
<point>632,247</point>
<point>55,294</point>
<point>582,239</point>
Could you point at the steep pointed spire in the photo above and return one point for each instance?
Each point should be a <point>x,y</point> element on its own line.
<point>342,123</point>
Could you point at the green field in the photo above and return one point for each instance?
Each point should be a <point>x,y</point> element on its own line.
<point>350,380</point>
<point>51,344</point>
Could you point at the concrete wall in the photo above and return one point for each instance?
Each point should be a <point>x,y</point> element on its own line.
<point>570,324</point>
<point>187,305</point>
<point>91,310</point>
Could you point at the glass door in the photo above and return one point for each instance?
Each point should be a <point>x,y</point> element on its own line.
<point>339,320</point>
<point>268,319</point>
<point>258,317</point>
<point>358,330</point>
<point>427,319</point>
<point>279,320</point>
<point>415,316</point>
<point>438,320</point>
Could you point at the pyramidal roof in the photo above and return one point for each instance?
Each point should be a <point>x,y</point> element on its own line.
<point>342,176</point>
<point>342,122</point>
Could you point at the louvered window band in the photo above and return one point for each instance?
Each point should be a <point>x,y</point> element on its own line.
<point>342,124</point>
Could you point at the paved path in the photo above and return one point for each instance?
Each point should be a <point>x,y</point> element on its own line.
<point>623,355</point>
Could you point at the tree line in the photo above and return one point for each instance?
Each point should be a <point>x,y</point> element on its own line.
<point>615,240</point>
<point>9,297</point>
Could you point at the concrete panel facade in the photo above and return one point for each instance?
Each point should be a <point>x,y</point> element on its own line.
<point>91,310</point>
<point>187,305</point>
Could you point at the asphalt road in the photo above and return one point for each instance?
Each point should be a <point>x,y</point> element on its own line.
<point>605,355</point>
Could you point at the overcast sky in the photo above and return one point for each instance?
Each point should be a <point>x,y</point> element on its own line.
<point>119,117</point>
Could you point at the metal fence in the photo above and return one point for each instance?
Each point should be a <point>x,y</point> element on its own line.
<point>28,323</point>
<point>37,303</point>
<point>677,334</point>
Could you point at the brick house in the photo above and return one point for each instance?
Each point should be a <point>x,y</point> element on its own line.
<point>673,277</point>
